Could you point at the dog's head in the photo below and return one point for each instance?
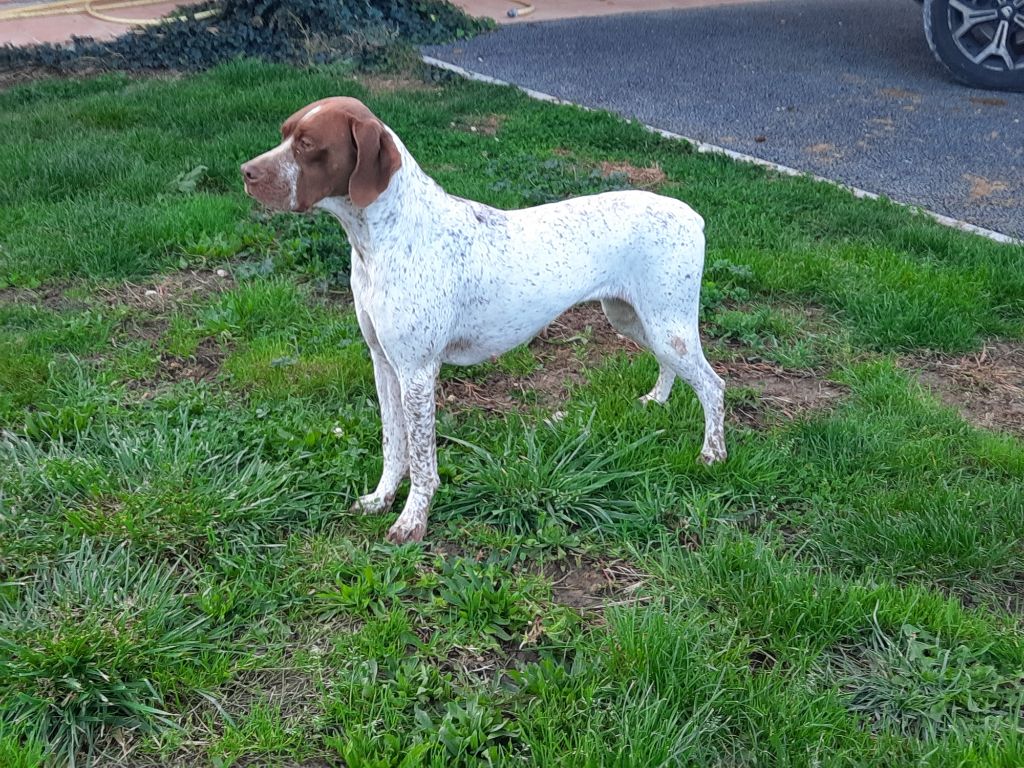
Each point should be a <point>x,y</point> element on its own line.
<point>331,148</point>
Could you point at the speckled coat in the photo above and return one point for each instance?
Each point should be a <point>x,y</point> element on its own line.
<point>439,279</point>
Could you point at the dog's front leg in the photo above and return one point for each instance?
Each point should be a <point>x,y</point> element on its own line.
<point>417,390</point>
<point>394,444</point>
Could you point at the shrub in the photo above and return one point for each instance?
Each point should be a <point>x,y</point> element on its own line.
<point>296,31</point>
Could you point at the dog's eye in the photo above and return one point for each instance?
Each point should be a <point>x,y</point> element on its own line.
<point>305,144</point>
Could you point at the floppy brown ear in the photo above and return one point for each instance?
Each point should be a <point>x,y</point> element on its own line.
<point>377,159</point>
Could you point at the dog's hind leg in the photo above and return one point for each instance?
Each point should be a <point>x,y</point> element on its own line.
<point>625,320</point>
<point>679,349</point>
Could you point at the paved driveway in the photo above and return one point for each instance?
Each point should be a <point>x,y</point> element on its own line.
<point>843,88</point>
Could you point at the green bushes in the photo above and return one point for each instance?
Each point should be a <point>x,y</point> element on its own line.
<point>297,31</point>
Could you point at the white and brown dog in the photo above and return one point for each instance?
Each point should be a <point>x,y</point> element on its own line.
<point>438,279</point>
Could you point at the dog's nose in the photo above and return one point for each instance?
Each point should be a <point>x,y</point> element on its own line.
<point>249,172</point>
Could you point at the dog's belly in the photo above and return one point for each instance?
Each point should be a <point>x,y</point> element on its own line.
<point>480,344</point>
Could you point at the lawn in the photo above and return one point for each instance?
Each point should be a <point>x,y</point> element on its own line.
<point>187,411</point>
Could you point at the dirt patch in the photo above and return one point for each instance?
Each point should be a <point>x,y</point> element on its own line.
<point>154,303</point>
<point>900,94</point>
<point>51,296</point>
<point>825,152</point>
<point>575,341</point>
<point>641,178</point>
<point>487,125</point>
<point>1005,595</point>
<point>293,691</point>
<point>582,338</point>
<point>1011,596</point>
<point>987,101</point>
<point>588,585</point>
<point>761,660</point>
<point>986,387</point>
<point>167,291</point>
<point>780,392</point>
<point>482,664</point>
<point>392,83</point>
<point>983,188</point>
<point>202,365</point>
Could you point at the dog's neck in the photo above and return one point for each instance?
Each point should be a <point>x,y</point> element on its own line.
<point>390,217</point>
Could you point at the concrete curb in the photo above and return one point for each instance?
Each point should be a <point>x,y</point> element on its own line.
<point>713,149</point>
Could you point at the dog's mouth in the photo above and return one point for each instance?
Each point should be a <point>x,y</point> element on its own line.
<point>273,197</point>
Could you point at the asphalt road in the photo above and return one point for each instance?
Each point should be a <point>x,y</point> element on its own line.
<point>843,88</point>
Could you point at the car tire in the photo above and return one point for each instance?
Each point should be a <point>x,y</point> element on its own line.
<point>981,42</point>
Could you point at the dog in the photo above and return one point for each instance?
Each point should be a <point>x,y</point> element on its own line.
<point>439,279</point>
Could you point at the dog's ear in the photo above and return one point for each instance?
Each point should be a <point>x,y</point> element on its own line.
<point>377,159</point>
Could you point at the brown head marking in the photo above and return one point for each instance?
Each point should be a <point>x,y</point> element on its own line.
<point>333,147</point>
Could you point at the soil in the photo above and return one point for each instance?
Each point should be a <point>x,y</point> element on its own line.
<point>985,387</point>
<point>589,585</point>
<point>780,391</point>
<point>579,339</point>
<point>641,178</point>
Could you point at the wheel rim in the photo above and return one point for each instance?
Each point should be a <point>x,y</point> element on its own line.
<point>989,33</point>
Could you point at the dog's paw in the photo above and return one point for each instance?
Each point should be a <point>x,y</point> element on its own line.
<point>405,531</point>
<point>653,398</point>
<point>712,456</point>
<point>372,504</point>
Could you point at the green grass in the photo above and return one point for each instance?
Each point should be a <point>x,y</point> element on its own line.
<point>180,575</point>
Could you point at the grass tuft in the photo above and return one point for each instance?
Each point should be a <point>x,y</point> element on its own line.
<point>92,644</point>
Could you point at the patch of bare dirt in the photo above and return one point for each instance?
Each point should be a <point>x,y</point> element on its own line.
<point>761,660</point>
<point>826,153</point>
<point>293,691</point>
<point>575,341</point>
<point>582,338</point>
<point>485,664</point>
<point>488,125</point>
<point>900,94</point>
<point>167,291</point>
<point>588,585</point>
<point>50,296</point>
<point>1011,597</point>
<point>641,178</point>
<point>780,392</point>
<point>155,301</point>
<point>1005,595</point>
<point>986,387</point>
<point>202,365</point>
<point>160,294</point>
<point>983,188</point>
<point>380,83</point>
<point>988,101</point>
